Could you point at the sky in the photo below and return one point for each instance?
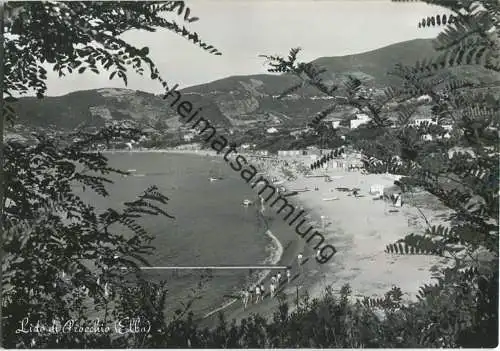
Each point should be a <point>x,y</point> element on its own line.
<point>242,30</point>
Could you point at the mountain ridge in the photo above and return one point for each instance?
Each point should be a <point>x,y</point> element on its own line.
<point>239,101</point>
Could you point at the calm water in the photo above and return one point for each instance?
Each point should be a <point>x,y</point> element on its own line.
<point>211,227</point>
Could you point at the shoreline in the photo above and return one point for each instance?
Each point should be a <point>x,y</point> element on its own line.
<point>358,227</point>
<point>198,152</point>
<point>275,256</point>
<point>275,259</point>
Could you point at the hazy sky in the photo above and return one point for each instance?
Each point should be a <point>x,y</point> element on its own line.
<point>242,30</point>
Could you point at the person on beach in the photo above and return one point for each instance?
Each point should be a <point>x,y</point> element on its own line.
<point>299,262</point>
<point>288,276</point>
<point>250,293</point>
<point>272,288</point>
<point>257,294</point>
<point>106,290</point>
<point>246,296</point>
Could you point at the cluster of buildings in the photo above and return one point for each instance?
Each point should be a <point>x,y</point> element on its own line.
<point>313,151</point>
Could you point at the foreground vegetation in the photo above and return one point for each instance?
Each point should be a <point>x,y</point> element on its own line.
<point>47,229</point>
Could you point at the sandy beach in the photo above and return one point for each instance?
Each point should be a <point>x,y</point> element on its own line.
<point>359,227</point>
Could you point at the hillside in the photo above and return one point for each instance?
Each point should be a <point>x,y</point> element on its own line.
<point>372,66</point>
<point>237,101</point>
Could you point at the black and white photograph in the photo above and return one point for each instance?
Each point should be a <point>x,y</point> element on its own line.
<point>249,174</point>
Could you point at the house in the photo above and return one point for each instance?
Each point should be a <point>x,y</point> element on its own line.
<point>298,132</point>
<point>361,118</point>
<point>458,150</point>
<point>289,152</point>
<point>272,130</point>
<point>188,137</point>
<point>312,150</point>
<point>335,121</point>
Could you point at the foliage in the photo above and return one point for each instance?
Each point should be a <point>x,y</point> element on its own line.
<point>460,310</point>
<point>83,36</point>
<point>49,230</point>
<point>62,259</point>
<point>454,156</point>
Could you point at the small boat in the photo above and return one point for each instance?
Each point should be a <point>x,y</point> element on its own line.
<point>213,179</point>
<point>247,202</point>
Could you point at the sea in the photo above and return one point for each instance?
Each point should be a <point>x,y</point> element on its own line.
<point>211,226</point>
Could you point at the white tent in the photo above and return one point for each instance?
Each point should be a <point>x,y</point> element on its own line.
<point>377,189</point>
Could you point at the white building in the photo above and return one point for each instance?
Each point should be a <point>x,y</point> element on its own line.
<point>289,152</point>
<point>361,118</point>
<point>272,130</point>
<point>188,137</point>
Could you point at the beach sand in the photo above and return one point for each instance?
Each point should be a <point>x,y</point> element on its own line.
<point>359,228</point>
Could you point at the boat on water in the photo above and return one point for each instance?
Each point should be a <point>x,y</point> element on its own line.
<point>247,202</point>
<point>215,174</point>
<point>213,179</point>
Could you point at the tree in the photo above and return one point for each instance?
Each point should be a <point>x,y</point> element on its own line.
<point>62,260</point>
<point>461,310</point>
